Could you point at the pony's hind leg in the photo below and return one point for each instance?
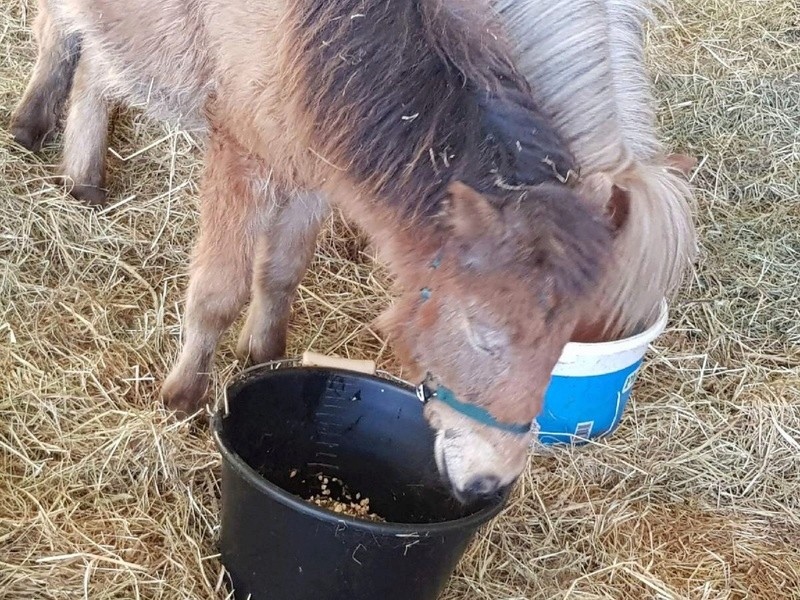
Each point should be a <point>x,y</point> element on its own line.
<point>221,270</point>
<point>285,250</point>
<point>83,165</point>
<point>38,113</point>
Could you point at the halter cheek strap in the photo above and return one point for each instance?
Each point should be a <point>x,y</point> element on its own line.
<point>476,413</point>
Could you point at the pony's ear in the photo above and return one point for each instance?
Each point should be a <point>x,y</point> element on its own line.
<point>619,207</point>
<point>598,189</point>
<point>682,163</point>
<point>469,213</point>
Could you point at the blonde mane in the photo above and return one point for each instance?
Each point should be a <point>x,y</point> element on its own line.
<point>584,60</point>
<point>632,89</point>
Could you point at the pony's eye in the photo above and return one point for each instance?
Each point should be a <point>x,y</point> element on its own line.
<point>485,338</point>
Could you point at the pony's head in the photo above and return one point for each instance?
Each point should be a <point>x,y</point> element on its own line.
<point>493,306</point>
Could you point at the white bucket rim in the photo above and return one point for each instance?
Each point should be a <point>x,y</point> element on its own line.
<point>575,349</point>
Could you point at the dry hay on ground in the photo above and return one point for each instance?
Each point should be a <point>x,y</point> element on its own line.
<point>697,496</point>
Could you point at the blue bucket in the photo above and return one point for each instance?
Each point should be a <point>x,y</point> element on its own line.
<point>590,387</point>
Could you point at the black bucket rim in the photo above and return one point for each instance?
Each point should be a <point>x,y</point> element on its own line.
<point>277,493</point>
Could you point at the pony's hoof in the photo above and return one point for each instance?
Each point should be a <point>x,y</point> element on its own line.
<point>182,400</point>
<point>30,136</point>
<point>257,350</point>
<point>90,195</point>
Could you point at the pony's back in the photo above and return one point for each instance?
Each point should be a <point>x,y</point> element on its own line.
<point>562,48</point>
<point>407,96</point>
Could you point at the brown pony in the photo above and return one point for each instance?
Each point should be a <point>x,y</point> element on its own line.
<point>408,115</point>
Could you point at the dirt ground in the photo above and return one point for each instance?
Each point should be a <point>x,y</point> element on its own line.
<point>697,495</point>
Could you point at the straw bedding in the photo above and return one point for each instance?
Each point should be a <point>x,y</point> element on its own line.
<point>697,496</point>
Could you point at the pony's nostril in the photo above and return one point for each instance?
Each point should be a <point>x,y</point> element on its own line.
<point>482,487</point>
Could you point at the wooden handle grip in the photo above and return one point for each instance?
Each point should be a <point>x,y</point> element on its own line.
<point>313,359</point>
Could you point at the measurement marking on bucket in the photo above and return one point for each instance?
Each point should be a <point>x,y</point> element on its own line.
<point>330,440</point>
<point>326,455</point>
<point>333,429</point>
<point>330,429</point>
<point>323,465</point>
<point>584,429</point>
<point>330,445</point>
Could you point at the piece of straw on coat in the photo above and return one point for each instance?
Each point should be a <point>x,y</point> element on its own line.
<point>584,61</point>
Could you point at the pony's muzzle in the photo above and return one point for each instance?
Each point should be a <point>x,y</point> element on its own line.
<point>477,489</point>
<point>481,488</point>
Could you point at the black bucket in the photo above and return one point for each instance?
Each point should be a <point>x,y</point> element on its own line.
<point>287,426</point>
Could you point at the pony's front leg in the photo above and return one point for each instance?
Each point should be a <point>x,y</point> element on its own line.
<point>284,252</point>
<point>222,266</point>
<point>38,113</point>
<point>83,165</point>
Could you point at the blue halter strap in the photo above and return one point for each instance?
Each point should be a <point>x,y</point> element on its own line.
<point>476,413</point>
